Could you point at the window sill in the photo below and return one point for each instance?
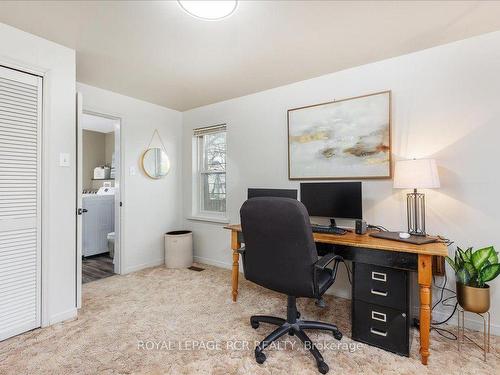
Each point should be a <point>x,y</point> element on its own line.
<point>209,219</point>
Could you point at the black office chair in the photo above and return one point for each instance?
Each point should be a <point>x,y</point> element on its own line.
<point>280,255</point>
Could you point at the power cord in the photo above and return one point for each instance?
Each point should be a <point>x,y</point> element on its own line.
<point>349,272</point>
<point>380,228</point>
<point>445,240</point>
<point>451,335</point>
<point>441,300</point>
<point>442,331</point>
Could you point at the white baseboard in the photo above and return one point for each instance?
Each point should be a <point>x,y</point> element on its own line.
<point>139,267</point>
<point>213,262</point>
<point>63,316</point>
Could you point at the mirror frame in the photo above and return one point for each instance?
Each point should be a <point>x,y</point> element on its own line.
<point>144,169</point>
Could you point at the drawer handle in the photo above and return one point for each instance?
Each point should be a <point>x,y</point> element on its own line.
<point>379,293</point>
<point>381,317</point>
<point>377,332</point>
<point>379,276</point>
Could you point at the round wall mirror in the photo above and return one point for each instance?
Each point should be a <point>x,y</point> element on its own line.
<point>155,163</point>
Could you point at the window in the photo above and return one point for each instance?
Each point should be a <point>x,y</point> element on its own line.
<point>211,171</point>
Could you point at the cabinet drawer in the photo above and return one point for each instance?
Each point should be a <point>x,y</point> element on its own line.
<point>381,326</point>
<point>380,285</point>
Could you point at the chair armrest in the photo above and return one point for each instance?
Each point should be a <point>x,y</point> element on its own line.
<point>241,251</point>
<point>326,260</point>
<point>321,265</point>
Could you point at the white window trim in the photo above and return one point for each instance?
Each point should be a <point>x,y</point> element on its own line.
<point>209,219</point>
<point>197,214</point>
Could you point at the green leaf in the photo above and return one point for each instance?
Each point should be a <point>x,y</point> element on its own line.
<point>463,276</point>
<point>467,255</point>
<point>493,257</point>
<point>459,262</point>
<point>479,257</point>
<point>470,269</point>
<point>451,263</point>
<point>488,273</point>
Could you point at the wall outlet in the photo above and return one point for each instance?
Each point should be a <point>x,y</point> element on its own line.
<point>64,159</point>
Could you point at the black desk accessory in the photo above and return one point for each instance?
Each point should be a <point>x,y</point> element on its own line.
<point>416,240</point>
<point>327,229</point>
<point>360,227</point>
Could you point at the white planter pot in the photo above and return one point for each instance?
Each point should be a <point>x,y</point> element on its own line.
<point>179,249</point>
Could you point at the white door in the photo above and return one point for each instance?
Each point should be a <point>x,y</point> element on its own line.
<point>79,191</point>
<point>20,214</point>
<point>81,211</point>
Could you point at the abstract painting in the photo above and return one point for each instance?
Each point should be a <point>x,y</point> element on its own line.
<point>344,139</point>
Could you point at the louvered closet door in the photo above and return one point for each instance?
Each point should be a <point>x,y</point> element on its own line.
<point>20,128</point>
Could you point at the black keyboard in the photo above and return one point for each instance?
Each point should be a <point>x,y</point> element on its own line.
<point>327,229</point>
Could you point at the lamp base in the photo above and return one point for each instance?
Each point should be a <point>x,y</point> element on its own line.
<point>415,208</point>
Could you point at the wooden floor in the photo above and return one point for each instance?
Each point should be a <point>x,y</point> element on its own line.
<point>97,267</point>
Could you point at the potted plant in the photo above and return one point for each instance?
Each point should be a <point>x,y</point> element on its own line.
<point>473,268</point>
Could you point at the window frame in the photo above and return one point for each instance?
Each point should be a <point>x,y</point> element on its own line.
<point>198,211</point>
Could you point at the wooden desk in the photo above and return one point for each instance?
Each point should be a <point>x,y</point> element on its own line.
<point>423,254</point>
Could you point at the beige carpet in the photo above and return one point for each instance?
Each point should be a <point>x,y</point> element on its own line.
<point>122,316</point>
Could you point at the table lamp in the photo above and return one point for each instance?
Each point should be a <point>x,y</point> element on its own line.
<point>416,174</point>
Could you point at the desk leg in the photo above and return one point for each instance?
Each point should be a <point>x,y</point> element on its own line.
<point>235,245</point>
<point>425,284</point>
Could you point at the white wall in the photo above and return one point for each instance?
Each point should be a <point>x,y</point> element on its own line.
<point>93,155</point>
<point>28,52</point>
<point>150,207</point>
<point>109,144</point>
<point>445,106</point>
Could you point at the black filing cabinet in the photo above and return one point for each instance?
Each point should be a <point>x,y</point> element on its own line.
<point>381,307</point>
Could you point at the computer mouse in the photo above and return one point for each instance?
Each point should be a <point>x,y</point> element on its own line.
<point>404,235</point>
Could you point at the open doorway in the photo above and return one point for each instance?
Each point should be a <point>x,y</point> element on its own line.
<point>99,184</point>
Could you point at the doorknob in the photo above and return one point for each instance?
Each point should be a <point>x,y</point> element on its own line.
<point>81,211</point>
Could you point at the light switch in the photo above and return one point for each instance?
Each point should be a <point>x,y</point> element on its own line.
<point>63,159</point>
<point>132,171</point>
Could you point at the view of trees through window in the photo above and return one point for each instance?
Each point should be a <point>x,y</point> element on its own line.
<point>213,172</point>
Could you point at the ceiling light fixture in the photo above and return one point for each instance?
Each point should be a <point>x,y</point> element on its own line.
<point>209,10</point>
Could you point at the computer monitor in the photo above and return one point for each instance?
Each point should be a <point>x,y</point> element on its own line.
<point>280,193</point>
<point>332,199</point>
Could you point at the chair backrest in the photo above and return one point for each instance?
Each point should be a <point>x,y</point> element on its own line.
<point>279,248</point>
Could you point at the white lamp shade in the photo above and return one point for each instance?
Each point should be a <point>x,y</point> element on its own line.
<point>416,174</point>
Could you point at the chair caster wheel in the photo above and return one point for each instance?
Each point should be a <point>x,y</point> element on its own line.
<point>298,314</point>
<point>337,335</point>
<point>254,325</point>
<point>320,303</point>
<point>323,367</point>
<point>261,358</point>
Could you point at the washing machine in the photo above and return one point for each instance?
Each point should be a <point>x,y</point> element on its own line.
<point>98,221</point>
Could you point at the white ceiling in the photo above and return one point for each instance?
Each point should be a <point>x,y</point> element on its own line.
<point>97,123</point>
<point>156,52</point>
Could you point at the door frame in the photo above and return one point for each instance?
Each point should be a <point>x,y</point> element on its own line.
<point>46,75</point>
<point>119,179</point>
